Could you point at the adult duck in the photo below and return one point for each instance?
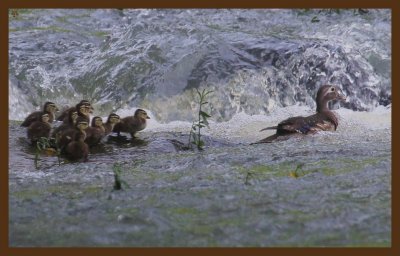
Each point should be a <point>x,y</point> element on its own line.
<point>323,120</point>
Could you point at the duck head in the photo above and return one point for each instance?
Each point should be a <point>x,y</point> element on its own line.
<point>97,122</point>
<point>83,109</point>
<point>50,107</point>
<point>87,103</point>
<point>81,124</point>
<point>327,93</point>
<point>113,118</point>
<point>141,114</point>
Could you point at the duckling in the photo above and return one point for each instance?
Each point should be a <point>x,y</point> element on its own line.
<point>67,135</point>
<point>38,129</point>
<point>323,120</point>
<point>132,124</point>
<point>68,124</point>
<point>96,132</point>
<point>77,149</point>
<point>84,110</point>
<point>64,115</point>
<point>111,121</point>
<point>49,108</point>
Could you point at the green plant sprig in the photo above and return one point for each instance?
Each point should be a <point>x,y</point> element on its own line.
<point>195,131</point>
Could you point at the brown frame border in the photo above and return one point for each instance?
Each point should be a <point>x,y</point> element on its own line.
<point>6,4</point>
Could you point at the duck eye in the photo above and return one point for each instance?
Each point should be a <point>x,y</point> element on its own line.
<point>332,89</point>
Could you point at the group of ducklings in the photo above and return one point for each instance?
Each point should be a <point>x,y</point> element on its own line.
<point>74,137</point>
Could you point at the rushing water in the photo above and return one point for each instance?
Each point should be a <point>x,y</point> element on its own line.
<point>264,66</point>
<point>254,60</point>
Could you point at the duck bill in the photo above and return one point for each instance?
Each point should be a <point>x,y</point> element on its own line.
<point>341,96</point>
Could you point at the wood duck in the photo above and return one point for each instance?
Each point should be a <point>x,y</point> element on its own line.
<point>323,120</point>
<point>95,132</point>
<point>111,121</point>
<point>132,124</point>
<point>38,129</point>
<point>77,149</point>
<point>64,115</point>
<point>49,108</point>
<point>67,135</point>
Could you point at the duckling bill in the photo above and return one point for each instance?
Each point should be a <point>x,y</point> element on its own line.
<point>323,120</point>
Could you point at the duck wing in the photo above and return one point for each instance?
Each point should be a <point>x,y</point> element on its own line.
<point>291,125</point>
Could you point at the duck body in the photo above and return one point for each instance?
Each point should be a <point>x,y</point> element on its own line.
<point>112,120</point>
<point>77,149</point>
<point>38,129</point>
<point>49,108</point>
<point>67,124</point>
<point>323,120</point>
<point>132,124</point>
<point>96,132</point>
<point>67,136</point>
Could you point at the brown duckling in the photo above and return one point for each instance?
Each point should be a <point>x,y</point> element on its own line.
<point>68,124</point>
<point>95,132</point>
<point>132,124</point>
<point>67,135</point>
<point>38,129</point>
<point>64,115</point>
<point>111,121</point>
<point>84,110</point>
<point>323,120</point>
<point>49,108</point>
<point>77,149</point>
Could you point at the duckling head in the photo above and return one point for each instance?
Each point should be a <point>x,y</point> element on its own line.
<point>113,118</point>
<point>81,123</point>
<point>97,122</point>
<point>50,107</point>
<point>140,113</point>
<point>84,109</point>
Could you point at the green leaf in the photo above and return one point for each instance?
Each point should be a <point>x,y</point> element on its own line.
<point>204,114</point>
<point>198,92</point>
<point>200,144</point>
<point>208,92</point>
